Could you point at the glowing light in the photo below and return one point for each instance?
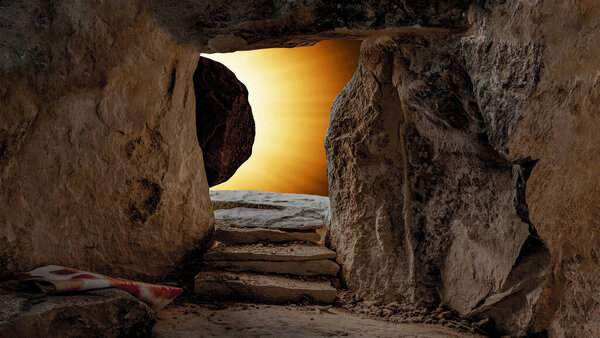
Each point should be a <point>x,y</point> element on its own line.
<point>291,92</point>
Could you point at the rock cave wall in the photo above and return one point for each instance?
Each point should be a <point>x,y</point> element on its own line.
<point>462,156</point>
<point>418,190</point>
<point>478,132</point>
<point>100,167</point>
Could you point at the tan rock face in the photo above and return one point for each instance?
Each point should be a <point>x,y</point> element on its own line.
<point>559,127</point>
<point>418,191</point>
<point>514,220</point>
<point>100,167</point>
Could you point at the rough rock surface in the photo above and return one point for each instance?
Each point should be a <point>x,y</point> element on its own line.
<point>100,313</point>
<point>243,320</point>
<point>262,209</point>
<point>290,252</point>
<point>257,235</point>
<point>224,121</point>
<point>261,288</point>
<point>100,167</point>
<point>541,63</point>
<point>448,230</point>
<point>298,268</point>
<point>217,26</point>
<point>515,99</point>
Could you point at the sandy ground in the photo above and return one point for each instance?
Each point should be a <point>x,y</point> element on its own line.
<point>250,320</point>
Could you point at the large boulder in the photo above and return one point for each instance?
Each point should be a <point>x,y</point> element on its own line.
<point>488,141</point>
<point>536,63</point>
<point>224,121</point>
<point>418,192</point>
<point>100,167</point>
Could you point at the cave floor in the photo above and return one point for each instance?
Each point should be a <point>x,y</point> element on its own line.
<point>253,320</point>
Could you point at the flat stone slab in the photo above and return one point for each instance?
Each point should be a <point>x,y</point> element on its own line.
<point>255,235</point>
<point>322,267</point>
<point>269,199</point>
<point>292,252</point>
<point>261,209</point>
<point>98,313</point>
<point>260,288</point>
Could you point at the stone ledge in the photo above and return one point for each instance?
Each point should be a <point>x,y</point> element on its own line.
<point>106,313</point>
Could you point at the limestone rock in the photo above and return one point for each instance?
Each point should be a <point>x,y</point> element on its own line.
<point>106,313</point>
<point>224,121</point>
<point>231,235</point>
<point>100,167</point>
<point>273,289</point>
<point>260,209</point>
<point>423,207</point>
<point>541,65</point>
<point>290,252</point>
<point>320,267</point>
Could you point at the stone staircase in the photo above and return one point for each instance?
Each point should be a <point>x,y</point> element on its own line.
<point>268,248</point>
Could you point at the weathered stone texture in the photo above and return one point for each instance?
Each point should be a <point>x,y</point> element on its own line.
<point>100,167</point>
<point>100,313</point>
<point>225,26</point>
<point>418,191</point>
<point>224,121</point>
<point>559,128</point>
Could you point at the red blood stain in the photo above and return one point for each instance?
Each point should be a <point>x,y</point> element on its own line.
<point>65,271</point>
<point>129,287</point>
<point>84,276</point>
<point>164,292</point>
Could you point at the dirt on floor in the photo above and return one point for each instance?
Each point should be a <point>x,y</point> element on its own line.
<point>253,320</point>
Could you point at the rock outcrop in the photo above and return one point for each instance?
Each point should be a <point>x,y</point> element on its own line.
<point>448,231</point>
<point>489,139</point>
<point>224,121</point>
<point>541,61</point>
<point>100,313</point>
<point>100,167</point>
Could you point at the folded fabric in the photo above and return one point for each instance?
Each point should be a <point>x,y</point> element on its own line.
<point>58,279</point>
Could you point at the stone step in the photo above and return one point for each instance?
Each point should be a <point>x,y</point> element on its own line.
<point>232,235</point>
<point>258,252</point>
<point>299,268</point>
<point>261,209</point>
<point>287,219</point>
<point>260,288</point>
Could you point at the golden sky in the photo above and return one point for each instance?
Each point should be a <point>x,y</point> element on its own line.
<point>291,91</point>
